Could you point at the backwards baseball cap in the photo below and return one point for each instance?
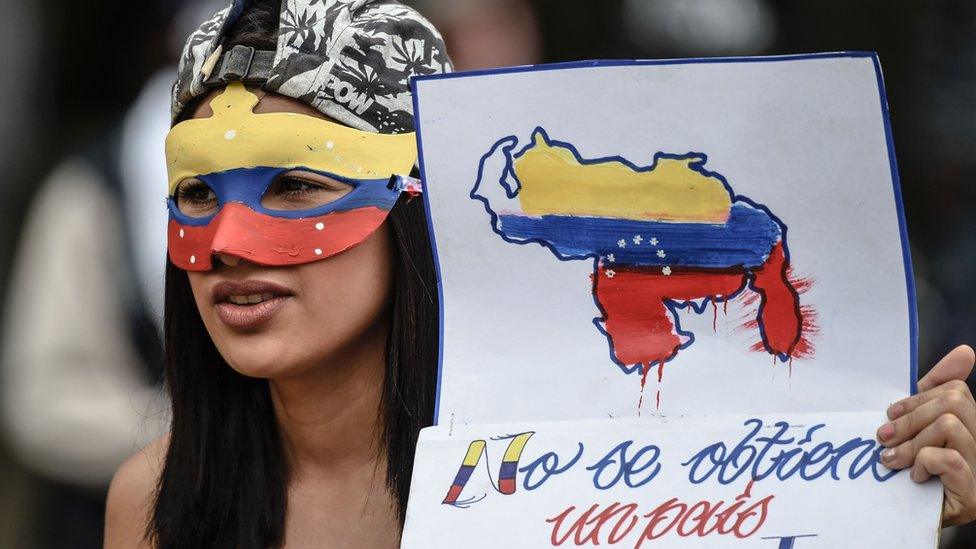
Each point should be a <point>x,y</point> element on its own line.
<point>350,59</point>
<point>289,188</point>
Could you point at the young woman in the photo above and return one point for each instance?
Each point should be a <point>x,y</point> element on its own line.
<point>310,399</point>
<point>300,305</point>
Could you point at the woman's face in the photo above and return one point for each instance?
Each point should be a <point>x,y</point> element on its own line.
<point>308,314</point>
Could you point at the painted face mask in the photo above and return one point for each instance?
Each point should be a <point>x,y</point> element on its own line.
<point>277,188</point>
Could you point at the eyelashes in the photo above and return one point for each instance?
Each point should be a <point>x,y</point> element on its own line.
<point>289,191</point>
<point>195,191</point>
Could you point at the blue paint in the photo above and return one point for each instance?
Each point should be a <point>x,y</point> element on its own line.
<point>620,466</point>
<point>463,475</point>
<point>785,457</point>
<point>433,247</point>
<point>508,469</point>
<point>902,227</point>
<point>788,542</point>
<point>549,464</point>
<point>248,185</point>
<point>744,241</point>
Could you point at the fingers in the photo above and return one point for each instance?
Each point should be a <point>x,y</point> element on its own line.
<point>949,401</point>
<point>909,404</point>
<point>946,431</point>
<point>956,365</point>
<point>957,479</point>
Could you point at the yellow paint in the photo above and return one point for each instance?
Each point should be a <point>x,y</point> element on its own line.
<point>514,450</point>
<point>554,182</point>
<point>473,456</point>
<point>236,137</point>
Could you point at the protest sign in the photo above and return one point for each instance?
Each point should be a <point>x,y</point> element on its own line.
<point>786,481</point>
<point>630,251</point>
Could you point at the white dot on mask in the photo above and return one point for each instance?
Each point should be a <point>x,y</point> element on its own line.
<point>193,259</point>
<point>329,144</point>
<point>319,226</point>
<point>181,233</point>
<point>318,251</point>
<point>231,134</point>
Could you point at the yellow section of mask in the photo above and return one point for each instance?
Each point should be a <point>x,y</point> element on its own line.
<point>236,137</point>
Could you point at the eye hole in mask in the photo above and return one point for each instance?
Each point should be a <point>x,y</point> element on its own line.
<point>292,190</point>
<point>302,190</point>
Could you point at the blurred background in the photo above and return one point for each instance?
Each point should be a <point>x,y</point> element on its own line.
<point>83,108</point>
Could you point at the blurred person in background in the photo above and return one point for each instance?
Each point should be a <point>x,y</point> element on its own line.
<point>81,358</point>
<point>486,34</point>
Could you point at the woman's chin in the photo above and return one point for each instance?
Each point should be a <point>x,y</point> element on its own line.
<point>264,359</point>
<point>263,368</point>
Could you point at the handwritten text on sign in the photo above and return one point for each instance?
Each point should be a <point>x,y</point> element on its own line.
<point>747,481</point>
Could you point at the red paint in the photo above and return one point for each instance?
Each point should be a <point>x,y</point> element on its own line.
<point>453,494</point>
<point>714,314</point>
<point>639,325</point>
<point>242,232</point>
<point>779,311</point>
<point>642,330</point>
<point>506,485</point>
<point>742,518</point>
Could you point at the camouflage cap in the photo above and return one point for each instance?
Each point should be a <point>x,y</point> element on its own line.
<point>350,59</point>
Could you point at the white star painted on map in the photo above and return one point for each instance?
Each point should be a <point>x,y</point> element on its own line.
<point>637,239</point>
<point>660,253</point>
<point>666,271</point>
<point>611,258</point>
<point>622,243</point>
<point>610,273</point>
<point>653,241</point>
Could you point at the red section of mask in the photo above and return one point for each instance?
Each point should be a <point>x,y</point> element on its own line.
<point>276,241</point>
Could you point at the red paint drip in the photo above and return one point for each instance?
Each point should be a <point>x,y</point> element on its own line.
<point>639,325</point>
<point>714,315</point>
<point>779,312</point>
<point>642,329</point>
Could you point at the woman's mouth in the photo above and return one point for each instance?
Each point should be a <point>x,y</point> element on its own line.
<point>247,304</point>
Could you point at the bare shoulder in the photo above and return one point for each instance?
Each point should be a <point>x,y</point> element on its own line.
<point>130,496</point>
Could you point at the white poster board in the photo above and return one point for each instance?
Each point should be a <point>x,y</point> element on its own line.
<point>801,148</point>
<point>781,482</point>
<point>630,251</point>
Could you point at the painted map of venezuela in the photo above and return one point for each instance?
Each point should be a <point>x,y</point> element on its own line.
<point>664,238</point>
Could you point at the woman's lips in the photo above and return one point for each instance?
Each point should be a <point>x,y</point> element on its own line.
<point>246,317</point>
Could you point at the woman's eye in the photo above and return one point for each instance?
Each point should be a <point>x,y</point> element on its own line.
<point>294,185</point>
<point>195,198</point>
<point>302,192</point>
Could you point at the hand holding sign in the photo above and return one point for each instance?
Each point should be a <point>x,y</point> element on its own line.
<point>934,433</point>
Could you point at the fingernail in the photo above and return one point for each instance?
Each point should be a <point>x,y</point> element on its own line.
<point>895,410</point>
<point>886,431</point>
<point>888,455</point>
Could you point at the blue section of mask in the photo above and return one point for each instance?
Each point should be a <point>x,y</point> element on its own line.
<point>248,185</point>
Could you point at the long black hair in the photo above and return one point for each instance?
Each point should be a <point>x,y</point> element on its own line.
<point>224,480</point>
